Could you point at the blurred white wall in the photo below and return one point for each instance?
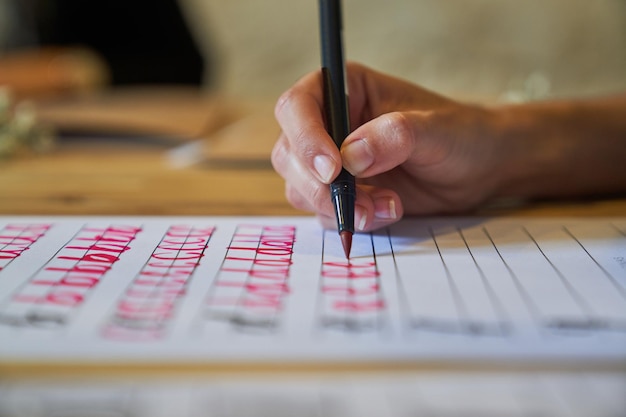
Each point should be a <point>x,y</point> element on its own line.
<point>475,49</point>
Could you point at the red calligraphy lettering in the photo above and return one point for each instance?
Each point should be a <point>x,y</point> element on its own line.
<point>93,257</point>
<point>71,281</point>
<point>359,306</point>
<point>350,291</point>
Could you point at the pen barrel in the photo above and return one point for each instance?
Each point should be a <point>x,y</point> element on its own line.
<point>343,196</point>
<point>333,71</point>
<point>336,114</point>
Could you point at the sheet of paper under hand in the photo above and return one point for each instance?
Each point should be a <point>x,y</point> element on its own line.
<point>241,290</point>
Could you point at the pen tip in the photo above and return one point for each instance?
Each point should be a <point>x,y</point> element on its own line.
<point>346,241</point>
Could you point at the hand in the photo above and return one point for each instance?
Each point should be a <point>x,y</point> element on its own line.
<point>413,152</point>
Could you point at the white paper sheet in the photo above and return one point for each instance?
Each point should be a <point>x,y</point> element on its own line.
<point>428,394</point>
<point>270,289</point>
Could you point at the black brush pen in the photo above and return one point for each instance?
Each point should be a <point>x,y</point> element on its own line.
<point>343,188</point>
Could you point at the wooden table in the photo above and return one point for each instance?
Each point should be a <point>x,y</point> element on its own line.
<point>128,164</point>
<point>127,161</point>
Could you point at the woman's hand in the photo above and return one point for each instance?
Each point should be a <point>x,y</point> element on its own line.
<point>412,151</point>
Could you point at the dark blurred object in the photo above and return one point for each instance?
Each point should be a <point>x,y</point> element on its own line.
<point>142,41</point>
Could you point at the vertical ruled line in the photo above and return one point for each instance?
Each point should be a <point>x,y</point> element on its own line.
<point>459,304</point>
<point>493,298</point>
<point>32,311</point>
<point>320,293</point>
<point>620,289</point>
<point>576,296</point>
<point>530,304</point>
<point>381,315</point>
<point>403,298</point>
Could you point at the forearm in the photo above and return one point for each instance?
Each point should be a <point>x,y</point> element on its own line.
<point>562,149</point>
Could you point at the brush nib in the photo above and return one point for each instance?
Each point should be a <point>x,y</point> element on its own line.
<point>346,241</point>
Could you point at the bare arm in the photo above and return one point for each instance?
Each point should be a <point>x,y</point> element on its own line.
<point>563,149</point>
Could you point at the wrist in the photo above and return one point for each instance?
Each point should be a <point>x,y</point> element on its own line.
<point>559,149</point>
<point>521,162</point>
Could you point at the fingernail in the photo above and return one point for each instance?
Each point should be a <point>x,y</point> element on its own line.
<point>385,208</point>
<point>324,167</point>
<point>357,156</point>
<point>360,215</point>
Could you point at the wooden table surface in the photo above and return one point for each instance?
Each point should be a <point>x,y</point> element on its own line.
<point>120,166</point>
<point>130,162</point>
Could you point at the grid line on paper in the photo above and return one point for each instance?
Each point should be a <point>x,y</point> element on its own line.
<point>213,288</point>
<point>457,317</point>
<point>496,304</point>
<point>319,299</point>
<point>581,314</point>
<point>248,277</point>
<point>620,289</point>
<point>461,308</point>
<point>271,322</point>
<point>147,261</point>
<point>350,292</point>
<point>44,264</point>
<point>251,300</point>
<point>145,318</point>
<point>527,299</point>
<point>7,254</point>
<point>379,286</point>
<point>403,301</point>
<point>31,313</point>
<point>574,294</point>
<point>60,301</point>
<point>417,321</point>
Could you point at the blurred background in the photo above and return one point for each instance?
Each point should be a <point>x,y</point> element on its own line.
<point>58,52</point>
<point>478,49</point>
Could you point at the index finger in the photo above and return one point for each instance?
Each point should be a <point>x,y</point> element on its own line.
<point>299,111</point>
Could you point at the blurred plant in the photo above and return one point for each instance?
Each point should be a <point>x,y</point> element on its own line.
<point>536,86</point>
<point>19,131</point>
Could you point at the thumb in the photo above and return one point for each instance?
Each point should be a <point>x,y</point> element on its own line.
<point>387,141</point>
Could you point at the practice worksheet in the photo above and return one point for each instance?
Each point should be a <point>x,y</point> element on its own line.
<point>279,289</point>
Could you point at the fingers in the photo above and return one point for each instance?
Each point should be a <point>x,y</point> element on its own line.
<point>375,207</point>
<point>300,180</point>
<point>299,111</point>
<point>308,159</point>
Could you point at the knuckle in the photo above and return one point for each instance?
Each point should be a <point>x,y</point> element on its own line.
<point>303,143</point>
<point>400,131</point>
